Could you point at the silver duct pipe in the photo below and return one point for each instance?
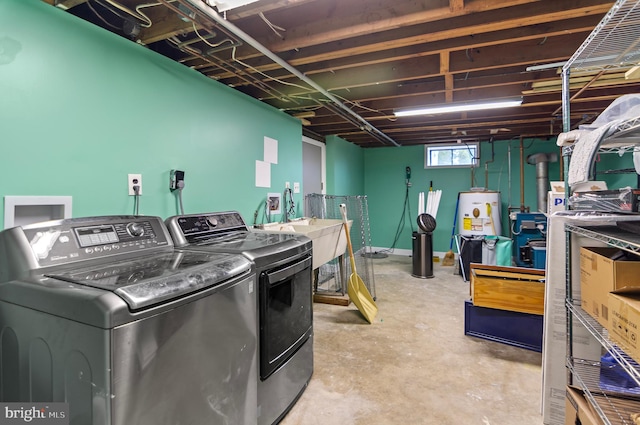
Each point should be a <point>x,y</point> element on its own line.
<point>364,124</point>
<point>541,161</point>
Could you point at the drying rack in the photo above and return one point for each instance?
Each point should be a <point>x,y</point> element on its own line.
<point>332,277</point>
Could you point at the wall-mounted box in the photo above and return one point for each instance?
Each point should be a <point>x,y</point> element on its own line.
<point>23,210</point>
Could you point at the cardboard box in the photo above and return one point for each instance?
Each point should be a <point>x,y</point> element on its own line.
<point>555,198</point>
<point>578,410</point>
<point>604,270</point>
<point>555,202</point>
<point>624,322</point>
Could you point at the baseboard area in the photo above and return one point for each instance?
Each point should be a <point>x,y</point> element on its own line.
<point>405,252</point>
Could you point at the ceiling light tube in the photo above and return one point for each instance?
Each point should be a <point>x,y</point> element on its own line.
<point>224,5</point>
<point>461,107</point>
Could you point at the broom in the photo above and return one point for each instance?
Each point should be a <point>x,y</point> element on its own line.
<point>449,257</point>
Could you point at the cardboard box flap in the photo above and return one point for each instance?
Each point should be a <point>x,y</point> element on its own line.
<point>579,410</point>
<point>627,290</point>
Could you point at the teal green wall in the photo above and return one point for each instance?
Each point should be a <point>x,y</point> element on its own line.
<point>385,186</point>
<point>345,167</point>
<point>81,108</point>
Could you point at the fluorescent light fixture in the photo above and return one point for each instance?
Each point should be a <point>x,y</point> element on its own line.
<point>224,5</point>
<point>461,107</point>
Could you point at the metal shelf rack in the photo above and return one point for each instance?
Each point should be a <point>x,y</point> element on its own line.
<point>611,235</point>
<point>622,138</point>
<point>601,334</point>
<point>613,408</point>
<point>613,44</point>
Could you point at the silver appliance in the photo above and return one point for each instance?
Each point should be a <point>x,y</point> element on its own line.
<point>104,314</point>
<point>283,277</point>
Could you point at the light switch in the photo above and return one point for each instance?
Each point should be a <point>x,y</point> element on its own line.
<point>296,187</point>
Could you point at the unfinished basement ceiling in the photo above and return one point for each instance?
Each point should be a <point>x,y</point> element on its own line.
<point>376,57</point>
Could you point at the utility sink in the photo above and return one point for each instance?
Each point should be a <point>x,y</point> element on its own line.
<point>327,235</point>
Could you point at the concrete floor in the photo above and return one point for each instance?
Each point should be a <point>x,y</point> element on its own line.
<point>414,365</point>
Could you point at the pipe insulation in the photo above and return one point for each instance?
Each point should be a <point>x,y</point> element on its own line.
<point>218,19</point>
<point>541,161</point>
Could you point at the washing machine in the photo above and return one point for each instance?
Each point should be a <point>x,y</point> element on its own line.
<point>103,314</point>
<point>284,302</point>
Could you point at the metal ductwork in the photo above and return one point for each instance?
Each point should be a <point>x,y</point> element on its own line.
<point>541,161</point>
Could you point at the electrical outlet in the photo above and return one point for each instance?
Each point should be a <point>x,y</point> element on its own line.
<point>296,187</point>
<point>133,180</point>
<point>287,185</point>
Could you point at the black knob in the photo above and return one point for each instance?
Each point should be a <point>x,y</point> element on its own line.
<point>135,229</point>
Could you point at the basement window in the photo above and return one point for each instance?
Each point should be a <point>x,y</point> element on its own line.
<point>451,155</point>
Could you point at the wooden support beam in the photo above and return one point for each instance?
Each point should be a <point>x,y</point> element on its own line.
<point>448,77</point>
<point>456,5</point>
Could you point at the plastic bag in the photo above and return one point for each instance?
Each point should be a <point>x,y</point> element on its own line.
<point>496,250</point>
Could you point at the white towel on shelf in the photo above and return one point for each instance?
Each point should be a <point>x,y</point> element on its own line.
<point>584,153</point>
<point>570,137</point>
<point>636,158</point>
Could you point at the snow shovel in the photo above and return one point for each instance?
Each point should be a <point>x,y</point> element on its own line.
<point>357,290</point>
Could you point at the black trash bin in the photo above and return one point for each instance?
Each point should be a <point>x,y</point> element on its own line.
<point>422,255</point>
<point>423,247</point>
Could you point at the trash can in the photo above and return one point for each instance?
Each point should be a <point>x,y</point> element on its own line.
<point>422,255</point>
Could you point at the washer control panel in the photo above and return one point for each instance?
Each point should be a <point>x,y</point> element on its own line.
<point>71,240</point>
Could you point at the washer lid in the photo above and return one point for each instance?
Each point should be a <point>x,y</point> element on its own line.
<point>149,280</point>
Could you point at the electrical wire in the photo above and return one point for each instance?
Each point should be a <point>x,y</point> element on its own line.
<point>290,205</point>
<point>140,16</point>
<point>110,9</point>
<point>180,185</point>
<point>400,228</point>
<point>109,24</point>
<point>359,105</point>
<point>269,77</point>
<point>267,210</point>
<point>136,199</point>
<point>140,6</point>
<point>180,201</point>
<point>207,42</point>
<point>274,28</point>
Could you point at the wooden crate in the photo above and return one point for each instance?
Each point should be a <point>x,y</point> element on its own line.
<point>518,289</point>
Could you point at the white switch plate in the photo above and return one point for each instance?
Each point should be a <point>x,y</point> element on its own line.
<point>287,185</point>
<point>133,179</point>
<point>296,187</point>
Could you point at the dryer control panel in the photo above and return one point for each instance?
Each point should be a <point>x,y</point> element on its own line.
<point>187,228</point>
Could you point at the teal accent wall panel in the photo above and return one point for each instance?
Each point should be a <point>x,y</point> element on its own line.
<point>386,189</point>
<point>345,167</point>
<point>81,108</point>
